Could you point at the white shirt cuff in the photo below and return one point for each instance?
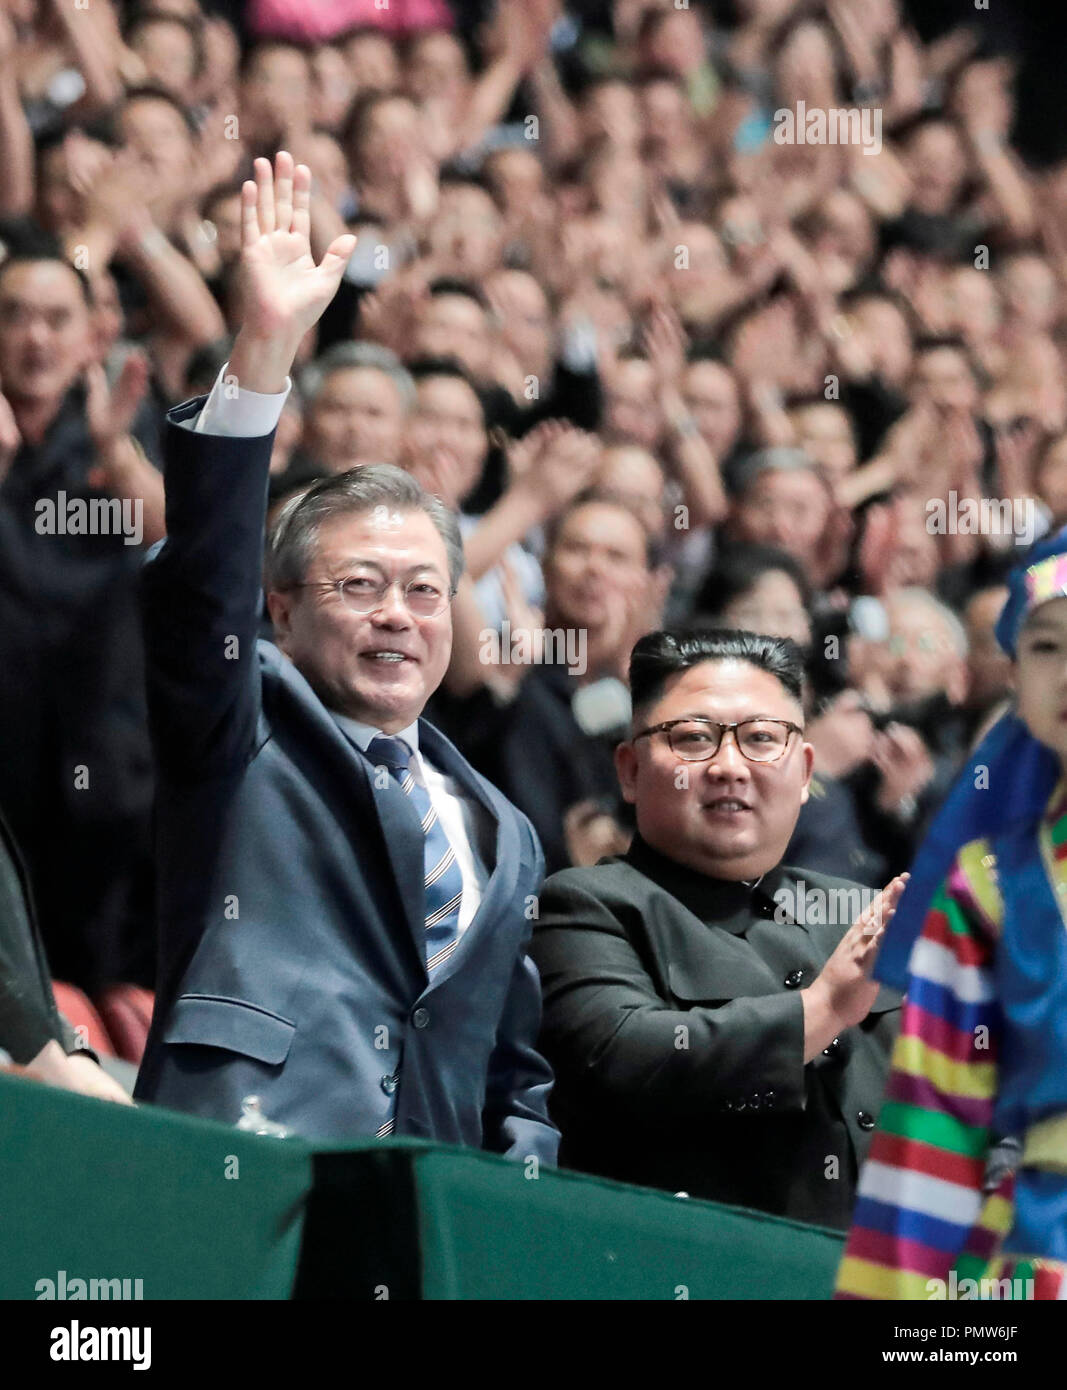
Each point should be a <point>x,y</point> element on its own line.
<point>232,410</point>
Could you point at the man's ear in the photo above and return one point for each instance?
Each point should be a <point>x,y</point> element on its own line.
<point>626,771</point>
<point>280,608</point>
<point>808,753</point>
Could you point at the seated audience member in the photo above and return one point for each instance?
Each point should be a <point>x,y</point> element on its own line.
<point>33,1034</point>
<point>542,723</point>
<point>917,685</point>
<point>784,500</point>
<point>708,1011</point>
<point>303,771</point>
<point>357,400</point>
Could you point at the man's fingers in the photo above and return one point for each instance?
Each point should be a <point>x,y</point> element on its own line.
<point>265,195</point>
<point>283,191</point>
<point>338,254</point>
<point>302,201</point>
<point>249,215</point>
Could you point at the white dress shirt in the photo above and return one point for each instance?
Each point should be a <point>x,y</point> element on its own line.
<point>237,413</point>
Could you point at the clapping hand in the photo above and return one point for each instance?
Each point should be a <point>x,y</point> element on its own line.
<point>110,412</point>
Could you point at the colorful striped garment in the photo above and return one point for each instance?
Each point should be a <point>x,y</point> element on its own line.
<point>921,1215</point>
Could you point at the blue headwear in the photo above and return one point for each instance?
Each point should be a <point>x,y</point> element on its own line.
<point>1007,783</point>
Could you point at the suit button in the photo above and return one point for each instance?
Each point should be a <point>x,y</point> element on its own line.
<point>421,1018</point>
<point>793,979</point>
<point>833,1049</point>
<point>865,1120</point>
<point>389,1084</point>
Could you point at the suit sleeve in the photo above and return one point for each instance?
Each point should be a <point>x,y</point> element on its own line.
<point>606,1024</point>
<point>202,600</point>
<point>515,1118</point>
<point>920,1196</point>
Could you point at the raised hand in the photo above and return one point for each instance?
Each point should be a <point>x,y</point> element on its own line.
<point>843,992</point>
<point>283,291</point>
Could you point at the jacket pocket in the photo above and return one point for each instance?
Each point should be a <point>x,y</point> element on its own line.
<point>698,981</point>
<point>211,1020</point>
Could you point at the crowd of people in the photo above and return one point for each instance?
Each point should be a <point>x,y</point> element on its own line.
<point>665,365</point>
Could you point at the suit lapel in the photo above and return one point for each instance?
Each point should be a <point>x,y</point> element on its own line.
<point>386,805</point>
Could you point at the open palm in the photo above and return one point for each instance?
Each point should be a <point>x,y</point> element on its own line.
<point>283,291</point>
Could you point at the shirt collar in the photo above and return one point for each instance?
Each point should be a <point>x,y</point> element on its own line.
<point>727,903</point>
<point>362,734</point>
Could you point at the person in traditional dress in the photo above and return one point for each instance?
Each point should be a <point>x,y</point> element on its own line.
<point>966,1180</point>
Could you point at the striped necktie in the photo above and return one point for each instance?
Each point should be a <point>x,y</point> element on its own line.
<point>442,877</point>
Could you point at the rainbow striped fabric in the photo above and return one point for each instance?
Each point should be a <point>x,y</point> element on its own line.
<point>921,1215</point>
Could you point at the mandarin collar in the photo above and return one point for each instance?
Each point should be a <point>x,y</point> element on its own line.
<point>728,903</point>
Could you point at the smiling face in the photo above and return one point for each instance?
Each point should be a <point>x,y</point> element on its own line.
<point>378,668</point>
<point>1041,675</point>
<point>726,817</point>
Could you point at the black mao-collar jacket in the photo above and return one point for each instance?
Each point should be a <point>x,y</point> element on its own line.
<point>673,1018</point>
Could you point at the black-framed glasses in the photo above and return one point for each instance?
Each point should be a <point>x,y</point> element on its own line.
<point>424,598</point>
<point>696,740</point>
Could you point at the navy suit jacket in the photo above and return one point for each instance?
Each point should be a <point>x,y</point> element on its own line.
<point>290,897</point>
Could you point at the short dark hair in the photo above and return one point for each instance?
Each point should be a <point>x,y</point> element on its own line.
<point>465,289</point>
<point>30,255</point>
<point>658,656</point>
<point>255,51</point>
<point>605,497</point>
<point>148,93</point>
<point>423,367</point>
<point>952,342</point>
<point>142,19</point>
<point>738,569</point>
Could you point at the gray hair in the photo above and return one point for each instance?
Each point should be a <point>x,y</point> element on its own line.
<point>933,605</point>
<point>778,458</point>
<point>372,356</point>
<point>291,544</point>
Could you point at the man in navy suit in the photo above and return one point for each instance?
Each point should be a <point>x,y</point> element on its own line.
<point>345,905</point>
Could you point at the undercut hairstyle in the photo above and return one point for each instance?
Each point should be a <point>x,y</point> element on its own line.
<point>292,540</point>
<point>658,656</point>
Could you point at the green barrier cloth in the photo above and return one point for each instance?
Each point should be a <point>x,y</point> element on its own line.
<point>103,1191</point>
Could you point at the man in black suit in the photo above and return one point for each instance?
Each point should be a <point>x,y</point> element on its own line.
<point>344,903</point>
<point>709,1012</point>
